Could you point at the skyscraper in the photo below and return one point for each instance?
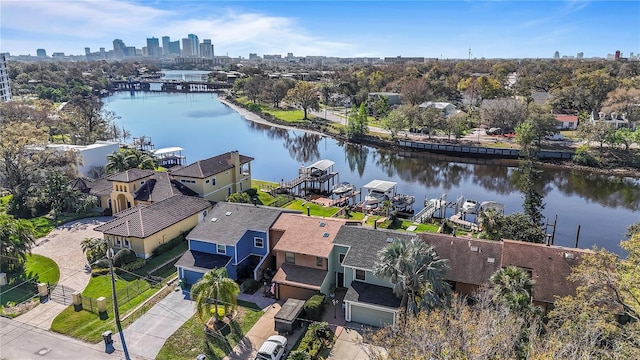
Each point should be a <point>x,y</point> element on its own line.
<point>87,51</point>
<point>5,86</point>
<point>153,47</point>
<point>41,53</point>
<point>174,47</point>
<point>118,48</point>
<point>195,44</point>
<point>187,47</point>
<point>165,45</point>
<point>206,49</point>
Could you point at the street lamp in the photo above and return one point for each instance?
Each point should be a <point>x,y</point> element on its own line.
<point>110,255</point>
<point>335,307</point>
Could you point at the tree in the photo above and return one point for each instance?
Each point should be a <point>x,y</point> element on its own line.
<point>513,287</point>
<point>254,86</point>
<point>415,91</point>
<point>278,91</point>
<point>624,102</point>
<point>533,200</point>
<point>526,138</point>
<point>58,195</point>
<point>457,125</point>
<point>429,118</point>
<point>491,222</point>
<point>542,122</point>
<point>395,121</point>
<point>599,132</point>
<point>138,159</point>
<point>416,272</point>
<point>216,287</point>
<point>518,226</point>
<point>357,121</point>
<point>504,113</point>
<point>116,162</point>
<point>242,197</point>
<point>94,248</point>
<point>304,95</point>
<point>380,107</point>
<point>16,240</point>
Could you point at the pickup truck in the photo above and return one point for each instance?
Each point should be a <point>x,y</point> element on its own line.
<point>274,348</point>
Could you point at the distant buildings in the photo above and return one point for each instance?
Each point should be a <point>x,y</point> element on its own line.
<point>41,53</point>
<point>5,86</point>
<point>153,48</point>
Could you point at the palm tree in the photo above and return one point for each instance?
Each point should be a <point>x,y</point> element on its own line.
<point>513,287</point>
<point>94,248</point>
<point>139,159</point>
<point>491,222</point>
<point>16,240</point>
<point>216,286</point>
<point>416,272</point>
<point>116,162</point>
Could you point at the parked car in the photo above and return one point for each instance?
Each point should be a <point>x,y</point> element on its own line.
<point>274,348</point>
<point>494,131</point>
<point>555,137</point>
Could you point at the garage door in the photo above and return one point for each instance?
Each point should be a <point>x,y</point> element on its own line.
<point>286,292</point>
<point>370,316</point>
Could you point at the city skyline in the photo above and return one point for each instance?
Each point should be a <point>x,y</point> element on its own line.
<point>493,29</point>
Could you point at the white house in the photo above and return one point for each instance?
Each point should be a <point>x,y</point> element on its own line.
<point>448,109</point>
<point>89,156</point>
<point>566,122</point>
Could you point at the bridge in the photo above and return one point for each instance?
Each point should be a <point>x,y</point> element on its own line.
<point>167,85</point>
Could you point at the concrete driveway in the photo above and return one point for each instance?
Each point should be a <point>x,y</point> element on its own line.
<point>146,336</point>
<point>63,246</point>
<point>349,345</point>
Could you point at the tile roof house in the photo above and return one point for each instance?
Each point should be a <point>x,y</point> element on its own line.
<point>143,228</point>
<point>237,232</point>
<point>217,177</point>
<point>303,246</point>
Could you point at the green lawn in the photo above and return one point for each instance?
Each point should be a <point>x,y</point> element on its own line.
<point>315,209</point>
<point>156,261</point>
<point>293,115</point>
<point>88,326</point>
<point>45,269</point>
<point>264,198</point>
<point>190,340</point>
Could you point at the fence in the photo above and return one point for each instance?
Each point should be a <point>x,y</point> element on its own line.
<point>124,296</point>
<point>282,200</point>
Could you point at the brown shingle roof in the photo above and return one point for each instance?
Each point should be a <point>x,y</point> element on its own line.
<point>143,221</point>
<point>306,234</point>
<point>309,278</point>
<point>211,166</point>
<point>471,261</point>
<point>159,187</point>
<point>101,187</point>
<point>550,266</point>
<point>130,175</point>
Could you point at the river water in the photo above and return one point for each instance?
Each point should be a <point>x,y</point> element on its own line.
<point>602,205</point>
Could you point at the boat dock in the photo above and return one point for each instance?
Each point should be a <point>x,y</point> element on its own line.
<point>318,177</point>
<point>457,219</point>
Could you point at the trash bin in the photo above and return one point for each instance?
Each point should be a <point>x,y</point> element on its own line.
<point>108,341</point>
<point>201,357</point>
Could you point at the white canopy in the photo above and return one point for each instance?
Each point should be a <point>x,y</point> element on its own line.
<point>321,165</point>
<point>167,150</point>
<point>380,185</point>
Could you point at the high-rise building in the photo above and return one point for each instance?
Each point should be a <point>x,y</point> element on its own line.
<point>87,51</point>
<point>41,53</point>
<point>617,55</point>
<point>165,45</point>
<point>118,48</point>
<point>187,47</point>
<point>153,47</point>
<point>580,55</point>
<point>556,55</point>
<point>195,44</point>
<point>5,86</point>
<point>206,49</point>
<point>174,47</point>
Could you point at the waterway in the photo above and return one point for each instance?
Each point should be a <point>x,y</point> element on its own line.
<point>602,205</point>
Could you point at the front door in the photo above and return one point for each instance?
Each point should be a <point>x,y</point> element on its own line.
<point>340,281</point>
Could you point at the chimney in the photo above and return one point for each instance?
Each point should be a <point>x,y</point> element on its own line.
<point>235,159</point>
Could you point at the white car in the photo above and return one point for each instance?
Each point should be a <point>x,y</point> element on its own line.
<point>555,137</point>
<point>274,348</point>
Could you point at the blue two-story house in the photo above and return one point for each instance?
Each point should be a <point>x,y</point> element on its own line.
<point>232,235</point>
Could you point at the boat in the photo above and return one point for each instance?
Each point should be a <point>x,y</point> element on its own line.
<point>469,206</point>
<point>379,191</point>
<point>343,188</point>
<point>403,204</point>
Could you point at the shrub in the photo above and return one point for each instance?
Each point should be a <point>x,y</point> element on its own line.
<point>583,157</point>
<point>102,263</point>
<point>299,355</point>
<point>314,307</point>
<point>254,107</point>
<point>99,271</point>
<point>124,256</point>
<point>135,265</point>
<point>314,339</point>
<point>168,245</point>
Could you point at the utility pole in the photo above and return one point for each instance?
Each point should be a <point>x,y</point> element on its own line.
<point>116,314</point>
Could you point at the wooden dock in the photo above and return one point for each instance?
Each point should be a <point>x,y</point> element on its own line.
<point>457,219</point>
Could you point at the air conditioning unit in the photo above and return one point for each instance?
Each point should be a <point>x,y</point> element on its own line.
<point>569,256</point>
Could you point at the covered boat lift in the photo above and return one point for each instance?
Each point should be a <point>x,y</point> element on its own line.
<point>170,156</point>
<point>317,177</point>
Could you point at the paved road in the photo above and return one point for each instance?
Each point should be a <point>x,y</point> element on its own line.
<point>21,341</point>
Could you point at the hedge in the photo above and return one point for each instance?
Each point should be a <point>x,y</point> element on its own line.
<point>168,245</point>
<point>314,307</point>
<point>314,339</point>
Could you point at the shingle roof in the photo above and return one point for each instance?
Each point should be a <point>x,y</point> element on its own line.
<point>566,118</point>
<point>550,264</point>
<point>81,184</point>
<point>309,278</point>
<point>365,243</point>
<point>211,166</point>
<point>160,186</point>
<point>130,175</point>
<point>101,187</point>
<point>201,261</point>
<point>228,229</point>
<point>372,294</point>
<point>470,261</point>
<point>306,234</point>
<point>143,221</point>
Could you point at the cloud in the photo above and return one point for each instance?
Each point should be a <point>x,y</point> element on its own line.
<point>97,23</point>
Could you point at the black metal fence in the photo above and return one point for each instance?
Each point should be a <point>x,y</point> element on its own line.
<point>124,296</point>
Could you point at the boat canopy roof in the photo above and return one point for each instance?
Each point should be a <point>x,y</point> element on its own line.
<point>380,185</point>
<point>492,204</point>
<point>321,165</point>
<point>167,150</point>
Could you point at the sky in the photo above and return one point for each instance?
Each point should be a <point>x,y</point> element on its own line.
<point>432,29</point>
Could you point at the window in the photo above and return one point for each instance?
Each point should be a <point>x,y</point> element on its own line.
<point>341,258</point>
<point>290,257</point>
<point>258,242</point>
<point>127,243</point>
<point>204,213</point>
<point>240,186</point>
<point>229,190</point>
<point>222,249</point>
<point>319,261</point>
<point>207,181</point>
<point>118,243</point>
<point>213,181</point>
<point>360,274</point>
